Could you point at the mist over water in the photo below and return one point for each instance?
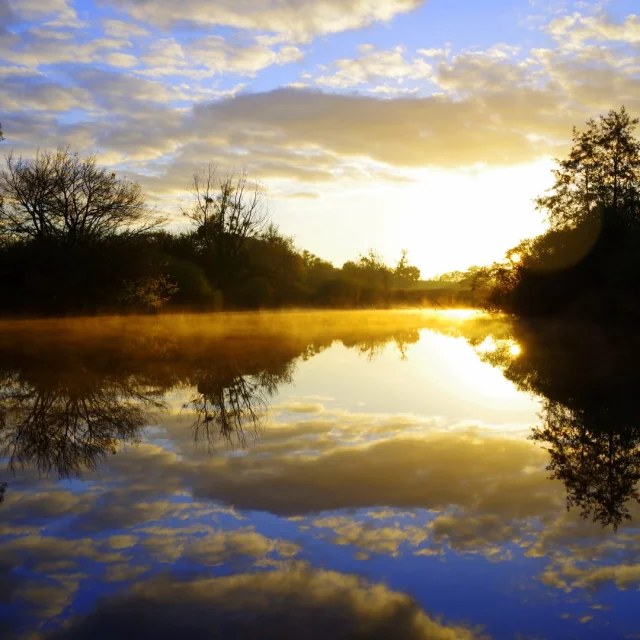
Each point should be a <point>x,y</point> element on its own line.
<point>349,474</point>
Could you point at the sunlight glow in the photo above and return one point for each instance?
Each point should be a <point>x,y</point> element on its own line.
<point>463,378</point>
<point>431,213</point>
<point>459,314</point>
<point>515,350</point>
<point>515,257</point>
<point>487,345</point>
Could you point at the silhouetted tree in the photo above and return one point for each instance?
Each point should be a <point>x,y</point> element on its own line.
<point>587,264</point>
<point>77,239</point>
<point>598,462</point>
<point>64,428</point>
<point>405,274</point>
<point>601,174</point>
<point>228,211</point>
<point>225,406</point>
<point>62,196</point>
<point>317,271</point>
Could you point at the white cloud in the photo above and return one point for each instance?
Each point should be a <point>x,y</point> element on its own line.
<point>578,28</point>
<point>219,57</point>
<point>123,30</point>
<point>59,13</point>
<point>42,47</point>
<point>434,53</point>
<point>373,67</point>
<point>122,60</point>
<point>297,19</point>
<point>212,56</point>
<point>48,97</point>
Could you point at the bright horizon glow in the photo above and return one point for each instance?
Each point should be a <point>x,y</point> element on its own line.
<point>447,220</point>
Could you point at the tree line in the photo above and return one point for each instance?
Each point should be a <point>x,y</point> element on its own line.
<point>76,238</point>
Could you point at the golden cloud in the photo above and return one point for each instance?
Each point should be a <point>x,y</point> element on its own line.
<point>278,604</point>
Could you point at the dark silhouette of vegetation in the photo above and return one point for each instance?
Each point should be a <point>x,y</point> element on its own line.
<point>587,264</point>
<point>598,462</point>
<point>76,239</point>
<point>61,197</point>
<point>587,377</point>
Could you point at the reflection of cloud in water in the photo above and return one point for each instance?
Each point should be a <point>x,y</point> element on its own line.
<point>428,472</point>
<point>378,539</point>
<point>299,603</point>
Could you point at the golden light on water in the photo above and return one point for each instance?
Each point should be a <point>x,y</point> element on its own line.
<point>489,345</point>
<point>459,314</point>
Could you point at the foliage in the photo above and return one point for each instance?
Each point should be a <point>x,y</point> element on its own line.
<point>587,263</point>
<point>227,211</point>
<point>601,174</point>
<point>405,275</point>
<point>148,293</point>
<point>586,376</point>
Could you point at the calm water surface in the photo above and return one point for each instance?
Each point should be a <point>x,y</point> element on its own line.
<point>342,475</point>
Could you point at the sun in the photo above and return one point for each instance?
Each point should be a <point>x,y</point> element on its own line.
<point>515,350</point>
<point>515,258</point>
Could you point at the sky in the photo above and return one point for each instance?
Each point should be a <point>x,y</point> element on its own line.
<point>426,125</point>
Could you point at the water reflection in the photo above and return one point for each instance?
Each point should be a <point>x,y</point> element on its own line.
<point>73,393</point>
<point>587,377</point>
<point>69,399</point>
<point>327,604</point>
<point>336,486</point>
<point>225,403</point>
<point>68,422</point>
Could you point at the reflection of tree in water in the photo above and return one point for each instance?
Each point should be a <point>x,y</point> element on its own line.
<point>588,379</point>
<point>373,346</point>
<point>599,465</point>
<point>66,425</point>
<point>72,391</point>
<point>225,405</point>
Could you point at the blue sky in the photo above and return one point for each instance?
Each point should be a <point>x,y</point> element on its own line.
<point>426,125</point>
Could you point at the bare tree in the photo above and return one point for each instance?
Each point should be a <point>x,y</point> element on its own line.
<point>228,210</point>
<point>61,195</point>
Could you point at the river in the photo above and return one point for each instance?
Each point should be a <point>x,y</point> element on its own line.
<point>391,474</point>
